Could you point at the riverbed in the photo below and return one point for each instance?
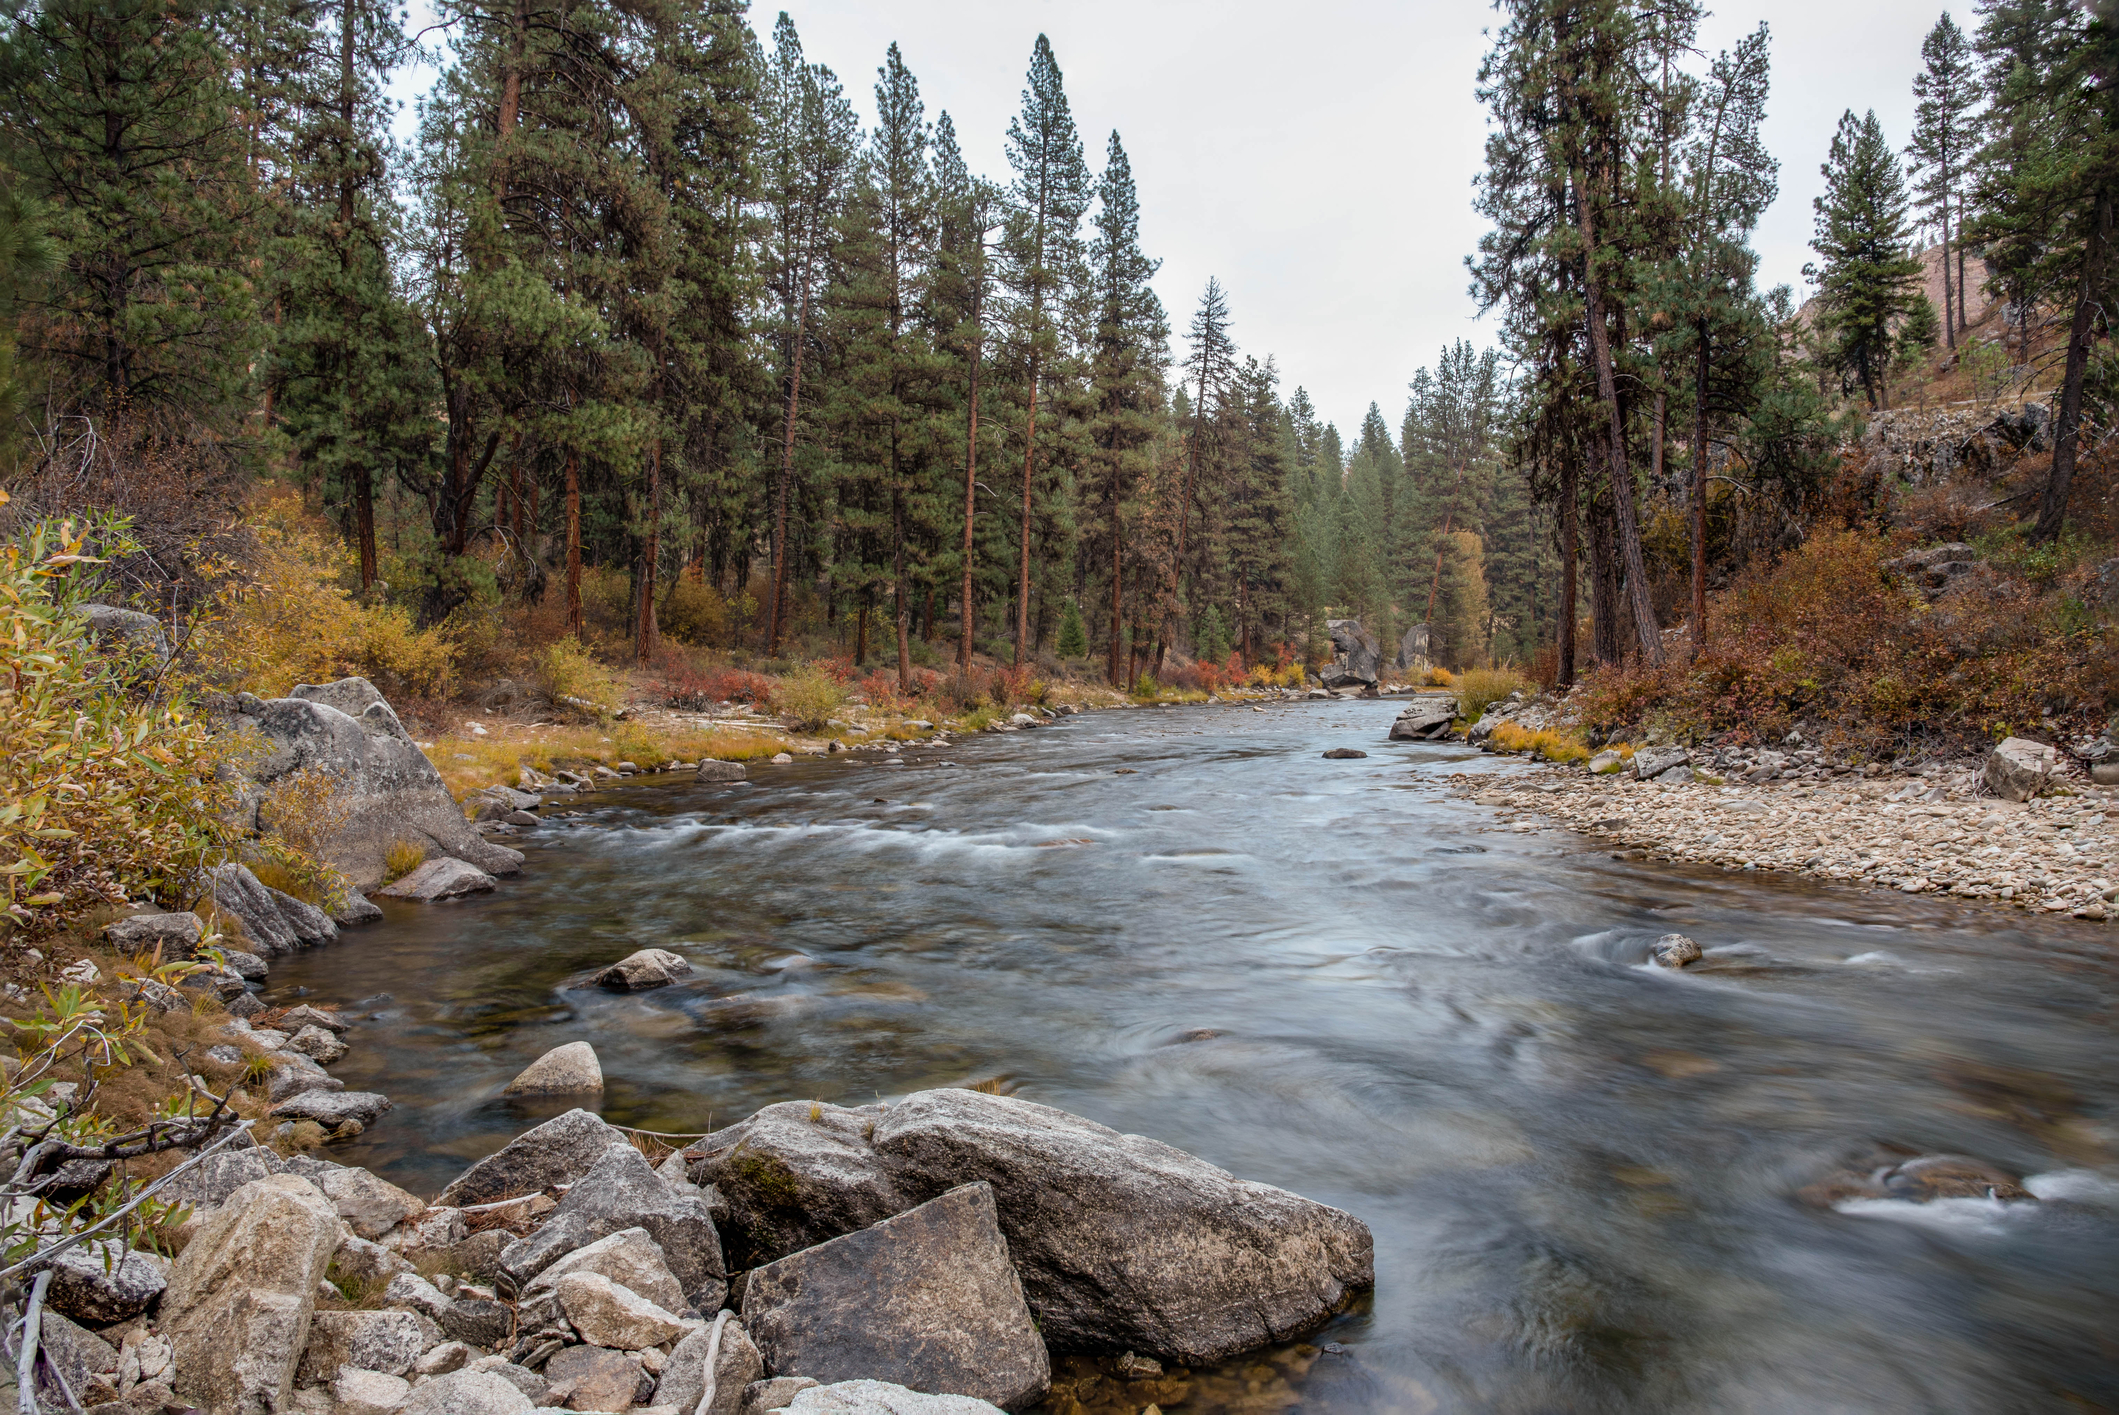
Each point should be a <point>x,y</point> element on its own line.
<point>1335,976</point>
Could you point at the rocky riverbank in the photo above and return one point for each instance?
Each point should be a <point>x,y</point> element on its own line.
<point>1917,835</point>
<point>900,1259</point>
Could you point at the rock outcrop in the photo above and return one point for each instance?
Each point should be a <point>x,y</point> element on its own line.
<point>2019,768</point>
<point>1358,658</point>
<point>275,921</point>
<point>1426,718</point>
<point>388,790</point>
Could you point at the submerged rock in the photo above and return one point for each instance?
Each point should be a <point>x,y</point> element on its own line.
<point>648,968</point>
<point>560,1071</point>
<point>1344,754</point>
<point>1674,951</point>
<point>882,1398</point>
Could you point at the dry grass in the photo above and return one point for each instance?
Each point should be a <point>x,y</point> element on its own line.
<point>1480,688</point>
<point>471,763</point>
<point>1545,742</point>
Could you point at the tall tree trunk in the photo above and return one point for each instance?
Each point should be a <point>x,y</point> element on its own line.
<point>1964,317</point>
<point>2067,421</point>
<point>1655,443</point>
<point>971,483</point>
<point>647,633</point>
<point>364,522</point>
<point>787,472</point>
<point>897,524</point>
<point>860,633</point>
<point>1022,589</point>
<point>1699,499</point>
<point>1621,473</point>
<point>1604,638</point>
<point>1950,300</point>
<point>1118,563</point>
<point>1570,559</point>
<point>574,623</point>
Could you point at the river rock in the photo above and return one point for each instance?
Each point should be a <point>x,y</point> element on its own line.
<point>648,968</point>
<point>1674,951</point>
<point>1651,762</point>
<point>926,1299</point>
<point>371,1206</point>
<point>247,966</point>
<point>560,1071</point>
<point>1426,719</point>
<point>372,1341</point>
<point>177,935</point>
<point>363,1392</point>
<point>360,1261</point>
<point>594,1378</point>
<point>242,1295</point>
<point>559,1151</point>
<point>293,1019</point>
<point>275,921</point>
<point>621,1190</point>
<point>1919,1180</point>
<point>295,1075</point>
<point>480,1321</point>
<point>208,1184</point>
<point>722,771</point>
<point>389,791</point>
<point>332,1109</point>
<point>609,1315</point>
<point>317,1044</point>
<point>760,1397</point>
<point>468,1393</point>
<point>737,1367</point>
<point>1155,1251</point>
<point>441,878</point>
<point>882,1398</point>
<point>102,1281</point>
<point>1344,754</point>
<point>631,1258</point>
<point>2019,768</point>
<point>78,1353</point>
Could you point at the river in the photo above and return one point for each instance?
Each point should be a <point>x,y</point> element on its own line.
<point>1337,977</point>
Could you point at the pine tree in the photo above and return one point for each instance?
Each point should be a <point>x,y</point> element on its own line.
<point>1073,638</point>
<point>1260,522</point>
<point>1043,252</point>
<point>1866,275</point>
<point>123,125</point>
<point>1945,133</point>
<point>1128,357</point>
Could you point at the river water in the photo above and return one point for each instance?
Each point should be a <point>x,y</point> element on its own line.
<point>1337,977</point>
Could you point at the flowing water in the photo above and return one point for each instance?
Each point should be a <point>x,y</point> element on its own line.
<point>1335,976</point>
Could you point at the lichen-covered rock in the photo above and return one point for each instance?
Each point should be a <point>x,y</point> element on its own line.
<point>559,1151</point>
<point>389,791</point>
<point>242,1295</point>
<point>372,1341</point>
<point>370,1205</point>
<point>360,1392</point>
<point>331,1109</point>
<point>794,1175</point>
<point>103,1281</point>
<point>441,878</point>
<point>609,1315</point>
<point>1358,657</point>
<point>926,1299</point>
<point>468,1393</point>
<point>274,921</point>
<point>175,934</point>
<point>594,1378</point>
<point>631,1258</point>
<point>882,1398</point>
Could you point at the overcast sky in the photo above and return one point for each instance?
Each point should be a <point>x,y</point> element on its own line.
<point>1322,169</point>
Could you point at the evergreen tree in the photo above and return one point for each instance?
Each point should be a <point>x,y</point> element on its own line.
<point>1042,249</point>
<point>1945,133</point>
<point>1073,638</point>
<point>1128,356</point>
<point>1866,275</point>
<point>1261,523</point>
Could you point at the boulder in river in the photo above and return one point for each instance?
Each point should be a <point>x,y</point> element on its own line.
<point>722,771</point>
<point>2019,768</point>
<point>441,878</point>
<point>647,968</point>
<point>561,1071</point>
<point>1344,754</point>
<point>1426,718</point>
<point>1674,951</point>
<point>387,789</point>
<point>1918,1180</point>
<point>925,1299</point>
<point>1154,1250</point>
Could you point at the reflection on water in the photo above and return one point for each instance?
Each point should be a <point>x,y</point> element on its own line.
<point>1581,1172</point>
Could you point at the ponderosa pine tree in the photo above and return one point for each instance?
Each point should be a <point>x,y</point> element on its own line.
<point>1945,134</point>
<point>1128,357</point>
<point>1042,257</point>
<point>1259,521</point>
<point>1209,366</point>
<point>1866,273</point>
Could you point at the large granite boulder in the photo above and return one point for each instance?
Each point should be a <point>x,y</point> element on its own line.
<point>388,790</point>
<point>242,1295</point>
<point>102,1281</point>
<point>370,1341</point>
<point>621,1190</point>
<point>1414,653</point>
<point>630,1258</point>
<point>468,1393</point>
<point>2019,768</point>
<point>559,1151</point>
<point>370,1205</point>
<point>1358,658</point>
<point>1123,1242</point>
<point>127,631</point>
<point>926,1300</point>
<point>564,1070</point>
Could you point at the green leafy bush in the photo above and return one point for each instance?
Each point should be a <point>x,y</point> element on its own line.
<point>809,698</point>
